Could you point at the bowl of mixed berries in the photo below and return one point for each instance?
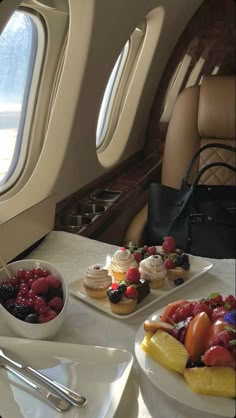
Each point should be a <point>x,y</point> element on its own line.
<point>33,298</point>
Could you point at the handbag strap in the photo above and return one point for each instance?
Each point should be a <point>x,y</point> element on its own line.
<point>212,145</point>
<point>204,169</point>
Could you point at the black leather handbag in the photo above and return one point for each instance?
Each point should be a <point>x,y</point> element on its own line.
<point>201,218</point>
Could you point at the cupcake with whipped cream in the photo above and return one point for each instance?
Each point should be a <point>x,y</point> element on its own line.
<point>121,261</point>
<point>97,281</point>
<point>152,268</point>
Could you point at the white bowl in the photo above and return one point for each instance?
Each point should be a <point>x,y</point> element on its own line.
<point>25,329</point>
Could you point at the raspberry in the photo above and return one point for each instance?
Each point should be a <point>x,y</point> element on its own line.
<point>169,264</point>
<point>39,303</point>
<point>56,304</point>
<point>133,275</point>
<point>40,286</point>
<point>53,282</point>
<point>137,256</point>
<point>114,286</point>
<point>152,250</point>
<point>131,293</point>
<point>47,316</point>
<point>123,249</point>
<point>168,245</point>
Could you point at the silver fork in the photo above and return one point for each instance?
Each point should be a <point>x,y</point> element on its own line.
<point>73,397</point>
<point>58,403</point>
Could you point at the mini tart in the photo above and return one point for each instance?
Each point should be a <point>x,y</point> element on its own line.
<point>99,293</point>
<point>124,307</point>
<point>121,261</point>
<point>157,283</point>
<point>177,272</point>
<point>118,276</point>
<point>97,281</point>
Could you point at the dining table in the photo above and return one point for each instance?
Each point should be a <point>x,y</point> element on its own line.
<point>86,325</point>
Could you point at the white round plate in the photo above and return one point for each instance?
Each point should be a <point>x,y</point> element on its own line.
<point>174,385</point>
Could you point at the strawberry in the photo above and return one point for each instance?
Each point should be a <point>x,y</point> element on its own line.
<point>137,256</point>
<point>56,304</point>
<point>168,245</point>
<point>131,293</point>
<point>133,275</point>
<point>169,264</point>
<point>202,307</point>
<point>53,282</point>
<point>218,313</point>
<point>218,356</point>
<point>40,286</point>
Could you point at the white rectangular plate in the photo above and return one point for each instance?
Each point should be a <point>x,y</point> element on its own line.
<point>174,385</point>
<point>98,373</point>
<point>198,267</point>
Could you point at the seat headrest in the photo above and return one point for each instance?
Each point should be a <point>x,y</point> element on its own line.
<point>216,115</point>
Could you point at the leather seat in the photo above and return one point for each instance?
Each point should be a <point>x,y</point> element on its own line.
<point>201,115</point>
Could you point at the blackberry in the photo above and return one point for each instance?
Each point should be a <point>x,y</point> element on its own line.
<point>20,311</point>
<point>114,296</point>
<point>182,260</point>
<point>8,291</point>
<point>122,287</point>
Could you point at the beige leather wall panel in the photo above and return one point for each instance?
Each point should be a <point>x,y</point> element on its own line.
<point>23,230</point>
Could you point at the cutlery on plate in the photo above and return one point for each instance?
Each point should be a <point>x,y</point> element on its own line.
<point>58,403</point>
<point>73,397</point>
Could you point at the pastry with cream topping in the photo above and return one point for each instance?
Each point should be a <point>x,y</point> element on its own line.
<point>152,268</point>
<point>121,261</point>
<point>97,281</point>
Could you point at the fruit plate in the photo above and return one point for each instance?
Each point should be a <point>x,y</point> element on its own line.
<point>199,266</point>
<point>174,385</point>
<point>99,373</point>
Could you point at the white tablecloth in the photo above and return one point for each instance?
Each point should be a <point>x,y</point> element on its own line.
<point>86,325</point>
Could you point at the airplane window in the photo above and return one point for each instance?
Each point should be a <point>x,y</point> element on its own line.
<point>117,86</point>
<point>19,47</point>
<point>109,94</point>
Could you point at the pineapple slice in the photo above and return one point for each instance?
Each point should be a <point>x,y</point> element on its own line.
<point>166,350</point>
<point>215,381</point>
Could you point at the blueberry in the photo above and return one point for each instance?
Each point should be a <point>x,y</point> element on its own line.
<point>178,281</point>
<point>32,318</point>
<point>230,317</point>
